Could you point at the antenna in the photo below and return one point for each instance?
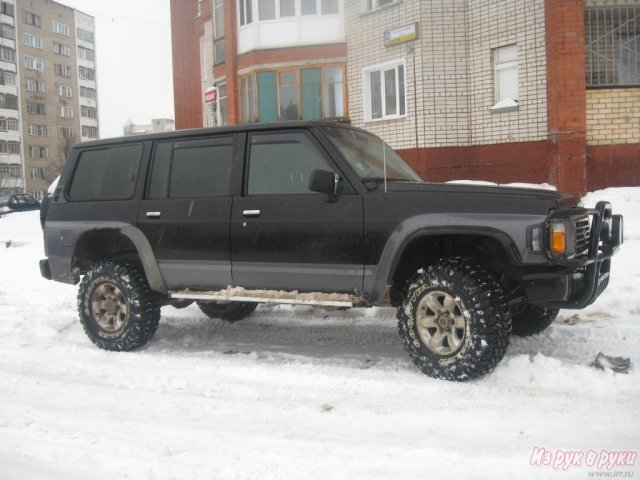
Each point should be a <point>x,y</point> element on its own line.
<point>384,164</point>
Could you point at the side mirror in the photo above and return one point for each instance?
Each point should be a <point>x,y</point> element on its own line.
<point>324,181</point>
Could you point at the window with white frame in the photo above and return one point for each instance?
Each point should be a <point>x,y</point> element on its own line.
<point>65,132</point>
<point>88,112</point>
<point>8,124</point>
<point>86,73</point>
<point>33,63</point>
<point>62,49</point>
<point>39,173</point>
<point>91,132</point>
<point>88,93</point>
<point>7,54</point>
<point>31,18</point>
<point>35,86</point>
<point>64,112</point>
<point>375,4</point>
<point>222,104</point>
<point>36,108</point>
<point>61,28</point>
<point>31,40</point>
<point>245,12</point>
<point>85,35</point>
<point>86,54</point>
<point>7,31</point>
<point>505,61</point>
<point>384,91</point>
<point>62,70</point>
<point>64,91</point>
<point>36,130</point>
<point>6,8</point>
<point>218,32</point>
<point>38,151</point>
<point>7,78</point>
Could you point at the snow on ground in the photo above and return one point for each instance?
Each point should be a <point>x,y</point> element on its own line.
<point>301,392</point>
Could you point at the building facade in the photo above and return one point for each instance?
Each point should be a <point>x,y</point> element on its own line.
<point>48,64</point>
<point>269,60</point>
<point>502,90</point>
<point>157,125</point>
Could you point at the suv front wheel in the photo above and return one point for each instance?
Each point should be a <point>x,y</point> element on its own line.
<point>118,310</point>
<point>452,320</point>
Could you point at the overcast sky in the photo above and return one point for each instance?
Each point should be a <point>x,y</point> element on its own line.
<point>133,54</point>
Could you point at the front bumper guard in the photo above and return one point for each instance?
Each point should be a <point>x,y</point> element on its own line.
<point>584,278</point>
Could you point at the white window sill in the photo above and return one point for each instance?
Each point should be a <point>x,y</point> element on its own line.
<point>506,105</point>
<point>392,117</point>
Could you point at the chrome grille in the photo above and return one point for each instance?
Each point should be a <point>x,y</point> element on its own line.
<point>583,232</point>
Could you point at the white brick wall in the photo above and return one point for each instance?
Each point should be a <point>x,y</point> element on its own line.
<point>454,70</point>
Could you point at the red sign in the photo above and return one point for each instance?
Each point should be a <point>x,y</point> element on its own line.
<point>210,95</point>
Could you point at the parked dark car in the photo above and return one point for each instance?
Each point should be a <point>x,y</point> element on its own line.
<point>18,202</point>
<point>316,213</point>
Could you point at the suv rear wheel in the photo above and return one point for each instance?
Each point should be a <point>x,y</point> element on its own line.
<point>452,320</point>
<point>118,310</point>
<point>229,311</point>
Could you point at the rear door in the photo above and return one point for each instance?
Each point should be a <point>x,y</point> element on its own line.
<point>186,210</point>
<point>283,235</point>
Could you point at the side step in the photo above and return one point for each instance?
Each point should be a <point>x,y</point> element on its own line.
<point>238,294</point>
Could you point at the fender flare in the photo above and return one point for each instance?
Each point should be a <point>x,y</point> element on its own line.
<point>509,230</point>
<point>147,258</point>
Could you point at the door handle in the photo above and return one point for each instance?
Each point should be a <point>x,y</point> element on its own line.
<point>251,213</point>
<point>154,214</point>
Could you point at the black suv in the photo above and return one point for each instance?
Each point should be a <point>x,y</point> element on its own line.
<point>316,213</point>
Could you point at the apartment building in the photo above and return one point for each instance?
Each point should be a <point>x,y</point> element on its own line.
<point>48,90</point>
<point>501,90</point>
<point>11,166</point>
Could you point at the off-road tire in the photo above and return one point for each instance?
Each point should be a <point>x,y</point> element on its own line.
<point>118,310</point>
<point>229,311</point>
<point>532,320</point>
<point>471,315</point>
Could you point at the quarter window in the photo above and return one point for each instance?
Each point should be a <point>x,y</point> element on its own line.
<point>106,174</point>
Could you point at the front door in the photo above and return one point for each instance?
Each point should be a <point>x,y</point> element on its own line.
<point>283,236</point>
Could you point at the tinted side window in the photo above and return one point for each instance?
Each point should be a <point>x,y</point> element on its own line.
<point>194,168</point>
<point>159,183</point>
<point>106,174</point>
<point>282,164</point>
<point>201,171</point>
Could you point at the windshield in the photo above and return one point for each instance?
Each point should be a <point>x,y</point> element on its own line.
<point>367,155</point>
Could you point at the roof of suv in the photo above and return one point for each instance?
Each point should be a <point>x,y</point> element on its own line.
<point>245,127</point>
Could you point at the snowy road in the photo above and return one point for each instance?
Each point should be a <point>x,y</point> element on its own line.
<point>302,393</point>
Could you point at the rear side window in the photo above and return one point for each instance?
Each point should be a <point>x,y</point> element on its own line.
<point>192,169</point>
<point>106,174</point>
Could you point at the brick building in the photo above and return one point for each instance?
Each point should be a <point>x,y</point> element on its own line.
<point>502,90</point>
